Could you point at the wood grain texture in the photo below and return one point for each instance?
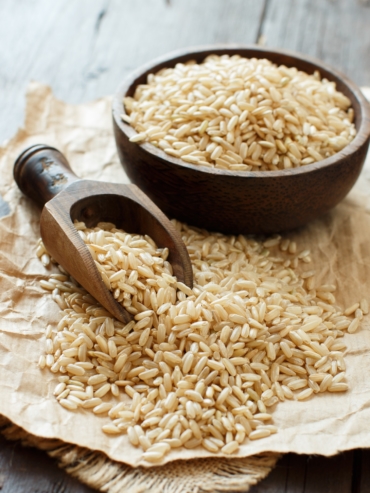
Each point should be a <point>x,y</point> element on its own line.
<point>314,474</point>
<point>361,472</point>
<point>275,482</point>
<point>330,474</point>
<point>44,175</point>
<point>336,31</point>
<point>84,49</point>
<point>28,470</point>
<point>296,473</point>
<point>258,202</point>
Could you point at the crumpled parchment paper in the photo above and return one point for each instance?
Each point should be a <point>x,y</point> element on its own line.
<point>340,250</point>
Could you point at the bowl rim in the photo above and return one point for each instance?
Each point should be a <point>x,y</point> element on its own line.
<point>362,133</point>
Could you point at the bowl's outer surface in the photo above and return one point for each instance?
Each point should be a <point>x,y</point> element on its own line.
<point>243,202</point>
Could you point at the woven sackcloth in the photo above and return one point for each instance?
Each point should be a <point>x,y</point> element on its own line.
<point>191,476</point>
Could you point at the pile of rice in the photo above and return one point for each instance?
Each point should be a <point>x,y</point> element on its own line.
<point>240,114</point>
<point>201,367</point>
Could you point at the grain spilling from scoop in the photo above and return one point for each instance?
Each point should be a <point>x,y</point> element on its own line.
<point>200,367</point>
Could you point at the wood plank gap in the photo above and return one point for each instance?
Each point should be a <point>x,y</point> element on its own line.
<point>262,20</point>
<point>329,474</point>
<point>101,16</point>
<point>296,474</point>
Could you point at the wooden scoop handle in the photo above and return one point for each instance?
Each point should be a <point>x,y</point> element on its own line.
<point>41,172</point>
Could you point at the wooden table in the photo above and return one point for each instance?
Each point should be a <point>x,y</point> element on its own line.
<point>83,49</point>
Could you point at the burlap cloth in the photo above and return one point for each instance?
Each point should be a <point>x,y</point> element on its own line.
<point>326,424</point>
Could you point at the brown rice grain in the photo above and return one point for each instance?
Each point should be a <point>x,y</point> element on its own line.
<point>216,358</point>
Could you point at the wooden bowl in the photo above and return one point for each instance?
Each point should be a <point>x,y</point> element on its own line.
<point>259,202</point>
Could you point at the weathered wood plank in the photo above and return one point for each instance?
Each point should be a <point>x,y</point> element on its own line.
<point>329,474</point>
<point>314,474</point>
<point>296,473</point>
<point>27,470</point>
<point>288,476</point>
<point>361,475</point>
<point>84,49</point>
<point>276,480</point>
<point>45,41</point>
<point>336,31</point>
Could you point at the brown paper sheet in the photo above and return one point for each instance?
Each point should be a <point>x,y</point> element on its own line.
<point>340,246</point>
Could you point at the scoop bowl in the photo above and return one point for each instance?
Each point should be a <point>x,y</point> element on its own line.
<point>43,174</point>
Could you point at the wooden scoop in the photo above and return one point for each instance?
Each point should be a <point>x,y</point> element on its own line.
<point>44,175</point>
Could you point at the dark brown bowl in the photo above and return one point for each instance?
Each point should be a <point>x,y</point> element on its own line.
<point>244,201</point>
